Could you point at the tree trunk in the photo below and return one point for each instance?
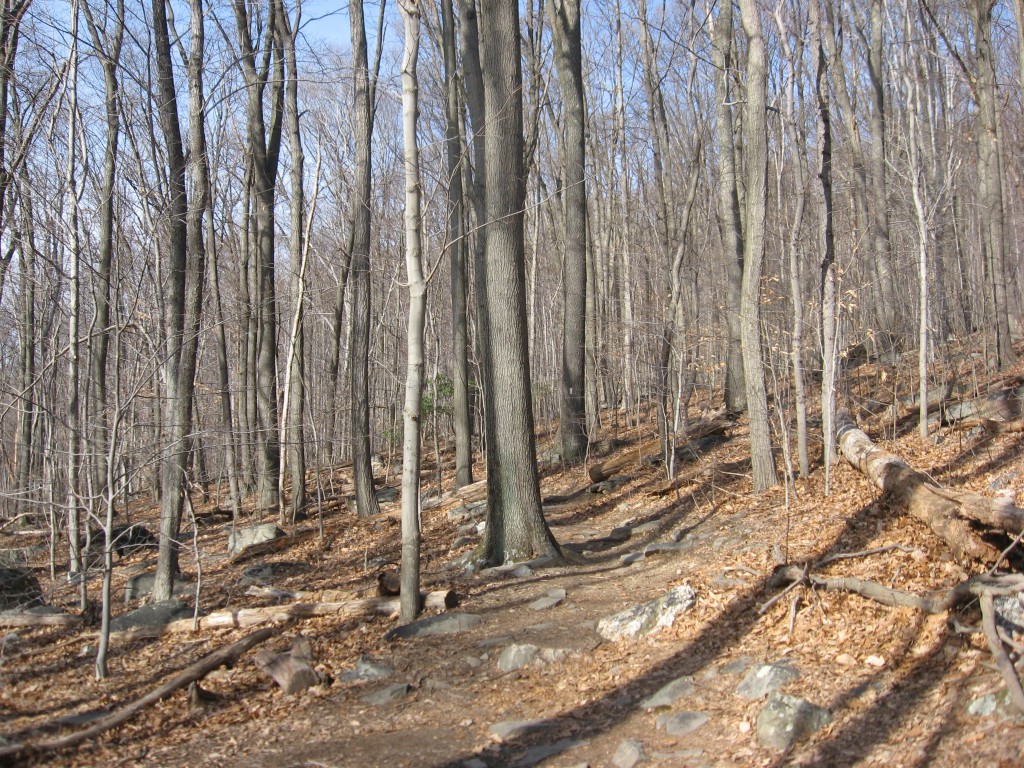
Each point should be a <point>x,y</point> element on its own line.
<point>178,410</point>
<point>457,248</point>
<point>756,132</point>
<point>565,23</point>
<point>730,222</point>
<point>359,354</point>
<point>410,588</point>
<point>990,177</point>
<point>516,529</point>
<point>295,392</point>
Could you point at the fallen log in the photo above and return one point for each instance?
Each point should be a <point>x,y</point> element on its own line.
<point>960,518</point>
<point>26,619</point>
<point>713,424</point>
<point>227,655</point>
<point>251,617</point>
<point>1001,404</point>
<point>465,495</point>
<point>994,427</point>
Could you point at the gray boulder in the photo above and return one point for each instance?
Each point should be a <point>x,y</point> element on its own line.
<point>681,723</point>
<point>765,678</point>
<point>442,624</point>
<point>141,585</point>
<point>152,615</point>
<point>255,534</point>
<point>649,617</point>
<point>669,694</point>
<point>785,719</point>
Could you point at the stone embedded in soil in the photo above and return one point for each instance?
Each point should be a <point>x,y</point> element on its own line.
<point>387,695</point>
<point>648,617</point>
<point>550,599</point>
<point>255,534</point>
<point>443,624</point>
<point>736,666</point>
<point>669,694</point>
<point>765,678</point>
<point>632,557</point>
<point>152,615</point>
<point>365,670</point>
<point>1009,610</point>
<point>681,723</point>
<point>513,729</point>
<point>517,656</point>
<point>535,755</point>
<point>785,719</point>
<point>629,753</point>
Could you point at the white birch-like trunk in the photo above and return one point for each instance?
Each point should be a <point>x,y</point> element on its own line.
<point>410,573</point>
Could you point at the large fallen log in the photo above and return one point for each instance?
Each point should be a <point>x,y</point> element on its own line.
<point>1003,403</point>
<point>960,518</point>
<point>227,655</point>
<point>27,619</point>
<point>465,495</point>
<point>713,424</point>
<point>250,617</point>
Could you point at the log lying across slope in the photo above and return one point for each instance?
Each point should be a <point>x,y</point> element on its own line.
<point>713,424</point>
<point>960,518</point>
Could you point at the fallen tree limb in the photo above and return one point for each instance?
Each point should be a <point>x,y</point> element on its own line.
<point>972,588</point>
<point>1000,404</point>
<point>250,617</point>
<point>713,424</point>
<point>466,494</point>
<point>26,619</point>
<point>954,516</point>
<point>227,655</point>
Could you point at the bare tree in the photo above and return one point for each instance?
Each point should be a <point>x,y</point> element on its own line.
<point>756,155</point>
<point>410,574</point>
<point>516,529</point>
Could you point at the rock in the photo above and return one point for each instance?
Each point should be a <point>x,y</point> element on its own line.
<point>1009,611</point>
<point>128,539</point>
<point>669,694</point>
<point>522,571</point>
<point>141,585</point>
<point>474,762</point>
<point>765,678</point>
<point>19,588</point>
<point>550,599</point>
<point>632,557</point>
<point>681,723</point>
<point>984,706</point>
<point>511,729</point>
<point>542,752</point>
<point>388,694</point>
<point>442,624</point>
<point>365,670</point>
<point>629,753</point>
<point>256,534</point>
<point>620,534</point>
<point>649,617</point>
<point>463,541</point>
<point>291,671</point>
<point>516,657</point>
<point>785,719</point>
<point>736,666</point>
<point>648,527</point>
<point>261,574</point>
<point>611,484</point>
<point>152,615</point>
<point>388,494</point>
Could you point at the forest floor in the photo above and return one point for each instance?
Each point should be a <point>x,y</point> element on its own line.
<point>898,683</point>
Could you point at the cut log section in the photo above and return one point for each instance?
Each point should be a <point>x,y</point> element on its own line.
<point>713,424</point>
<point>961,518</point>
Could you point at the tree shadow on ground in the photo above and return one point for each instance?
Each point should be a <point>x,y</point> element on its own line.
<point>844,746</point>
